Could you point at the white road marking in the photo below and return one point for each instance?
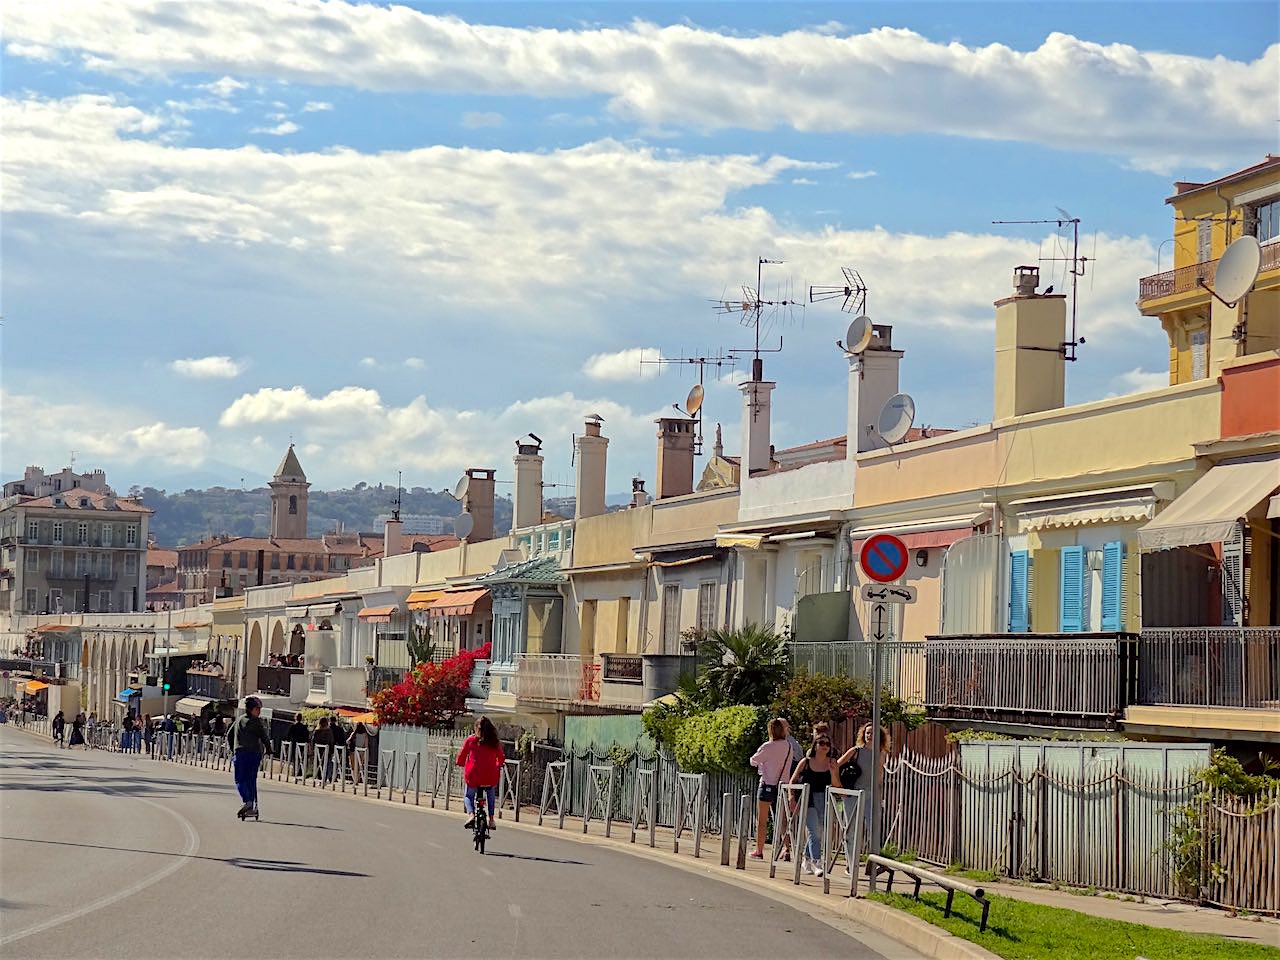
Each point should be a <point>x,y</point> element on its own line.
<point>432,843</point>
<point>192,845</point>
<point>486,871</point>
<point>514,910</point>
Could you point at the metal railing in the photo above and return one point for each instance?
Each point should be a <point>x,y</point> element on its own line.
<point>1074,680</point>
<point>1182,279</point>
<point>902,663</point>
<point>548,676</point>
<point>1210,667</point>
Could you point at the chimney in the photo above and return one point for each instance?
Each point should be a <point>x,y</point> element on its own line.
<point>873,379</point>
<point>392,545</point>
<point>638,497</point>
<point>528,497</point>
<point>592,453</point>
<point>675,457</point>
<point>478,501</point>
<point>1030,365</point>
<point>756,404</point>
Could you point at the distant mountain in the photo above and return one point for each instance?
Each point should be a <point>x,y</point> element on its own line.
<point>191,515</point>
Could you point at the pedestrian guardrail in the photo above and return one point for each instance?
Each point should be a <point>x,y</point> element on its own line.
<point>842,833</point>
<point>442,775</point>
<point>644,804</point>
<point>953,886</point>
<point>600,797</point>
<point>509,788</point>
<point>386,772</point>
<point>690,788</point>
<point>412,771</point>
<point>555,790</point>
<point>789,826</point>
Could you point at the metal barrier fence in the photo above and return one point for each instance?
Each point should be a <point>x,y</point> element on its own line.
<point>1210,667</point>
<point>902,663</point>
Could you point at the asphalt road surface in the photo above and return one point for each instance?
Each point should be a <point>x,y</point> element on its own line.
<point>109,855</point>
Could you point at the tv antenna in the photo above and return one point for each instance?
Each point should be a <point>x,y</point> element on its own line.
<point>853,291</point>
<point>1077,269</point>
<point>395,504</point>
<point>693,402</point>
<point>753,307</point>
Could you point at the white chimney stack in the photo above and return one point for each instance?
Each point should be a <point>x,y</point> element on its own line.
<point>873,379</point>
<point>756,416</point>
<point>478,501</point>
<point>392,542</point>
<point>592,454</point>
<point>528,495</point>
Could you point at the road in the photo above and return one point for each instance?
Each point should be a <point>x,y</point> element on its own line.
<point>108,855</point>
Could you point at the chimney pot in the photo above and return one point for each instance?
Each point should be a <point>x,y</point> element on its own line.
<point>1025,281</point>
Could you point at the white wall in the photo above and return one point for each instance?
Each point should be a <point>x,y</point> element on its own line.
<point>814,488</point>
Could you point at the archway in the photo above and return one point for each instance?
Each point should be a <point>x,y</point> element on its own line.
<point>297,641</point>
<point>277,638</point>
<point>253,657</point>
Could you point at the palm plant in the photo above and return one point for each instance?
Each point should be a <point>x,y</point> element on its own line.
<point>743,666</point>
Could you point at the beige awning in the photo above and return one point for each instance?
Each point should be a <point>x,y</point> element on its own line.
<point>745,541</point>
<point>1210,510</point>
<point>686,561</point>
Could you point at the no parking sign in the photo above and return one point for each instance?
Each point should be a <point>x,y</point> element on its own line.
<point>883,558</point>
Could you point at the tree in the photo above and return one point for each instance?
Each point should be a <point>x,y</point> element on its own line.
<point>744,666</point>
<point>430,694</point>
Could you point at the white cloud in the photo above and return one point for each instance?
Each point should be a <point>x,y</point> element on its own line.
<point>281,129</point>
<point>415,363</point>
<point>208,367</point>
<point>1138,380</point>
<point>224,87</point>
<point>624,365</point>
<point>1150,107</point>
<point>860,174</point>
<point>275,405</point>
<point>368,362</point>
<point>316,106</point>
<point>34,430</point>
<point>804,182</point>
<point>475,120</point>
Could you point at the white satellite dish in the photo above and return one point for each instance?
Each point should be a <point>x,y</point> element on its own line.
<point>460,488</point>
<point>693,403</point>
<point>1237,270</point>
<point>858,335</point>
<point>896,418</point>
<point>463,524</point>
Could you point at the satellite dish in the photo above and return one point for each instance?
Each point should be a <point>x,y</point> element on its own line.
<point>693,403</point>
<point>1237,270</point>
<point>896,418</point>
<point>460,488</point>
<point>463,524</point>
<point>858,335</point>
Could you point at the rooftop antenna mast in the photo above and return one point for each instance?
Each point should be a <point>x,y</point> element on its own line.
<point>752,306</point>
<point>693,402</point>
<point>1077,262</point>
<point>395,504</point>
<point>853,291</point>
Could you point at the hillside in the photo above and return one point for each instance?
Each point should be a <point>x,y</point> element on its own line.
<point>189,516</point>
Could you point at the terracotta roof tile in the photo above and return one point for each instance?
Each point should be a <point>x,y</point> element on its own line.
<point>71,500</point>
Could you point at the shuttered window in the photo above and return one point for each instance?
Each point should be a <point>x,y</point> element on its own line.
<point>1071,614</point>
<point>1113,585</point>
<point>1233,580</point>
<point>1019,612</point>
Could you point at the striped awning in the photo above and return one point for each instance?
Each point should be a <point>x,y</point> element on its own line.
<point>422,599</point>
<point>34,686</point>
<point>459,603</point>
<point>745,541</point>
<point>357,716</point>
<point>378,614</point>
<point>56,628</point>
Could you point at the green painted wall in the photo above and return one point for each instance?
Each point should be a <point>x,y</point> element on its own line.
<point>583,732</point>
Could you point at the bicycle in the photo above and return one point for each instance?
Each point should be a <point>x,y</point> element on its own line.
<point>480,832</point>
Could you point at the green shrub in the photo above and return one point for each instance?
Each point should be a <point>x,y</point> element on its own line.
<point>812,698</point>
<point>721,741</point>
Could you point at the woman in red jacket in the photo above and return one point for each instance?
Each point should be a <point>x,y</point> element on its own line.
<point>481,759</point>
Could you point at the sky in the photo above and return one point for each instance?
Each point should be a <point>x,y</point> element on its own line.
<point>402,236</point>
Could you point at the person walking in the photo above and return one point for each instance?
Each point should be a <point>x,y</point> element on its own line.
<point>481,759</point>
<point>819,771</point>
<point>77,732</point>
<point>148,733</point>
<point>59,729</point>
<point>861,754</point>
<point>774,762</point>
<point>359,740</point>
<point>322,743</point>
<point>250,742</point>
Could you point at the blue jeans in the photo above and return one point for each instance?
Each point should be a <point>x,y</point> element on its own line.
<point>469,798</point>
<point>245,765</point>
<point>814,819</point>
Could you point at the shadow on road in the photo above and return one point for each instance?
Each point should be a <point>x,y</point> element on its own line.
<point>245,863</point>
<point>521,856</point>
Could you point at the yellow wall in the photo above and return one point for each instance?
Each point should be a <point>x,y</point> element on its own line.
<point>611,537</point>
<point>692,518</point>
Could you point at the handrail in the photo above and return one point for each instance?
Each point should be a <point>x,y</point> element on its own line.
<point>919,874</point>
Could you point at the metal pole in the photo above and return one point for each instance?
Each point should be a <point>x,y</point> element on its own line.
<point>873,842</point>
<point>164,679</point>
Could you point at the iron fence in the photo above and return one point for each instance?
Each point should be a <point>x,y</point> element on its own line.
<point>902,663</point>
<point>1210,667</point>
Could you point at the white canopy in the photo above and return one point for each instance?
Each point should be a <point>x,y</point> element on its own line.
<point>1210,510</point>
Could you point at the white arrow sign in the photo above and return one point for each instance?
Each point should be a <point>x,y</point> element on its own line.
<point>888,593</point>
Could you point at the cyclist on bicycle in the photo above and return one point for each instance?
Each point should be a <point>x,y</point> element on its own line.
<point>481,759</point>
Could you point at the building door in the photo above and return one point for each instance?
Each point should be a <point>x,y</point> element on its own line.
<point>671,618</point>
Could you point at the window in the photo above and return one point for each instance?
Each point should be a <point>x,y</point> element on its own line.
<point>106,534</point>
<point>293,504</point>
<point>126,601</point>
<point>553,541</point>
<point>55,600</point>
<point>131,564</point>
<point>1199,354</point>
<point>104,601</point>
<point>1113,585</point>
<point>623,644</point>
<point>1019,608</point>
<point>31,561</point>
<point>244,559</point>
<point>275,562</point>
<point>55,564</point>
<point>671,618</point>
<point>226,558</point>
<point>306,562</point>
<point>84,501</point>
<point>33,530</point>
<point>131,536</point>
<point>104,566</point>
<point>57,531</point>
<point>291,562</point>
<point>31,600</point>
<point>57,485</point>
<point>1267,221</point>
<point>1071,592</point>
<point>82,565</point>
<point>706,607</point>
<point>82,533</point>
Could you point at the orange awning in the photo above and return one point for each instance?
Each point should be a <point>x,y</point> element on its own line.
<point>459,603</point>
<point>356,716</point>
<point>34,686</point>
<point>377,614</point>
<point>187,626</point>
<point>56,628</point>
<point>422,599</point>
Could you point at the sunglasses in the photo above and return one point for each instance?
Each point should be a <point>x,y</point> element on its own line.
<point>822,743</point>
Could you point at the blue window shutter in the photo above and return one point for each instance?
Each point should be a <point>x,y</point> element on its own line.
<point>1072,593</point>
<point>1113,585</point>
<point>1018,591</point>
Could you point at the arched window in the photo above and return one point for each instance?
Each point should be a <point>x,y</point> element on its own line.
<point>293,503</point>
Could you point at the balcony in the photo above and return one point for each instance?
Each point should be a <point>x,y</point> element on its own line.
<point>1225,667</point>
<point>555,678</point>
<point>209,683</point>
<point>902,664</point>
<point>276,679</point>
<point>479,688</point>
<point>1184,279</point>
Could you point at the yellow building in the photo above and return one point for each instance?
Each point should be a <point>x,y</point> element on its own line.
<point>1204,333</point>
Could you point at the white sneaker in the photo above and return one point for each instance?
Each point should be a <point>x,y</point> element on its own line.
<point>817,870</point>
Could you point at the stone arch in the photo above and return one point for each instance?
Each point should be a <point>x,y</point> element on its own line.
<point>277,638</point>
<point>297,640</point>
<point>253,657</point>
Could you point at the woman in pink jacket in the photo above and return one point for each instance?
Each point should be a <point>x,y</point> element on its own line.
<point>773,760</point>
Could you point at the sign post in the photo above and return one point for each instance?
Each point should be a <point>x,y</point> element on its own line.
<point>883,558</point>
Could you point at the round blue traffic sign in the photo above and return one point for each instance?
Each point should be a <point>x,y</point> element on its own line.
<point>883,558</point>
